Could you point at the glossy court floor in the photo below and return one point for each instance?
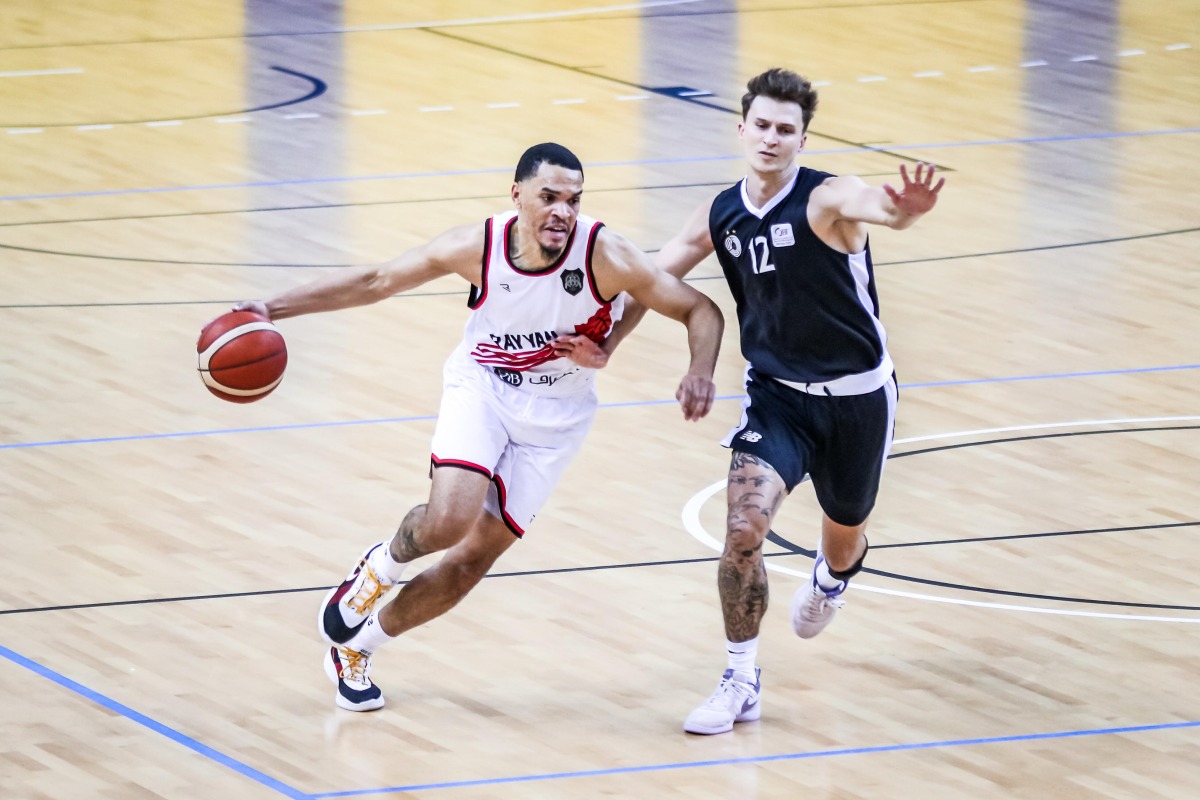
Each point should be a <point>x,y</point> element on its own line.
<point>1027,625</point>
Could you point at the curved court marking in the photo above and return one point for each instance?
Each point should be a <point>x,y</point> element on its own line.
<point>691,522</point>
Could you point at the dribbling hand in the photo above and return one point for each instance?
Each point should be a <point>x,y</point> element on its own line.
<point>254,306</point>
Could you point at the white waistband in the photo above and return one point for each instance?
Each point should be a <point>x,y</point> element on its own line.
<point>862,383</point>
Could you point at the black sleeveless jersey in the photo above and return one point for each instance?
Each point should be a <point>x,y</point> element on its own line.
<point>807,313</point>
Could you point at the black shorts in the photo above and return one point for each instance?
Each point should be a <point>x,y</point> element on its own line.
<point>840,442</point>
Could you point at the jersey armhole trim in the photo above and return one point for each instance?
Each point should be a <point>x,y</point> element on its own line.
<point>479,293</point>
<point>593,235</point>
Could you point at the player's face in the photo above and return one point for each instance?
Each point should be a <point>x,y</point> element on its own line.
<point>773,134</point>
<point>548,205</point>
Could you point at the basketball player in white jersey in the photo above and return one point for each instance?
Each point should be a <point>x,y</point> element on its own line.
<point>518,395</point>
<point>821,392</point>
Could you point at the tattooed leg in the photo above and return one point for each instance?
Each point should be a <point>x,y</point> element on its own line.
<point>755,493</point>
<point>404,545</point>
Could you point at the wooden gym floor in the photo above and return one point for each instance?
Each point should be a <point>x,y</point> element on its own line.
<point>1028,624</point>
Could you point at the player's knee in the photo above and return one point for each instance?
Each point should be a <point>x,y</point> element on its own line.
<point>744,537</point>
<point>466,569</point>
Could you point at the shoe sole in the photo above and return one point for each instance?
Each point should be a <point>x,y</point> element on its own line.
<point>750,715</point>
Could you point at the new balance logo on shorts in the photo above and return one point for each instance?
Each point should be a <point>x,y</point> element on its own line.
<point>751,436</point>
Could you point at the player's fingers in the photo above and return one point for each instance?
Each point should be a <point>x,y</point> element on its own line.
<point>904,174</point>
<point>940,184</point>
<point>892,193</point>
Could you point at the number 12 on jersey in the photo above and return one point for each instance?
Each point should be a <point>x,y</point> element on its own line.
<point>760,256</point>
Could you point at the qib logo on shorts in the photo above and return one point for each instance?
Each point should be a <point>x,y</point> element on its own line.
<point>511,377</point>
<point>572,281</point>
<point>733,245</point>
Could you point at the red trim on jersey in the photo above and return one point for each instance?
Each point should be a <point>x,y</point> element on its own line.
<point>593,235</point>
<point>460,464</point>
<point>479,293</point>
<point>509,521</point>
<point>537,273</point>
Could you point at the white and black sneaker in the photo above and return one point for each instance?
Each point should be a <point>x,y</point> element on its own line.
<point>351,671</point>
<point>813,607</point>
<point>735,700</point>
<point>347,605</point>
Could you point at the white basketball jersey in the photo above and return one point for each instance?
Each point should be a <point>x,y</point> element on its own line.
<point>516,313</point>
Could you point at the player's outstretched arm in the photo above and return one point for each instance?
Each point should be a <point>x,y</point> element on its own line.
<point>458,250</point>
<point>849,198</point>
<point>621,267</point>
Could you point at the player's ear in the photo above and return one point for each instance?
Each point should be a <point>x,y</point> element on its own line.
<point>516,194</point>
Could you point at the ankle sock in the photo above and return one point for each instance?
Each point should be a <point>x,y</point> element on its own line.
<point>742,655</point>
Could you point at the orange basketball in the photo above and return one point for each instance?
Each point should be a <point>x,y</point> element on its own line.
<point>241,356</point>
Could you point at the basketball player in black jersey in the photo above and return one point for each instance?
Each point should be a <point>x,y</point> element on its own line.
<point>821,391</point>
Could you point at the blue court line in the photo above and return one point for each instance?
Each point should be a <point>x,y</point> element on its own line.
<point>849,751</point>
<point>626,404</point>
<point>641,162</point>
<point>157,727</point>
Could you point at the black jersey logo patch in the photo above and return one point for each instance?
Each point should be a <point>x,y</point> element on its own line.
<point>573,281</point>
<point>733,245</point>
<point>509,376</point>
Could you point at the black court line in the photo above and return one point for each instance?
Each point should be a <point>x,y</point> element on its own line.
<point>790,548</point>
<point>696,101</point>
<point>930,259</point>
<point>318,87</point>
<point>1034,436</point>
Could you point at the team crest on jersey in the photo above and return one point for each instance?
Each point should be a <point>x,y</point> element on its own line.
<point>733,245</point>
<point>782,236</point>
<point>509,376</point>
<point>572,281</point>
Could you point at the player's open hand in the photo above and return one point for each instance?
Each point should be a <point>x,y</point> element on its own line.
<point>918,194</point>
<point>695,396</point>
<point>581,350</point>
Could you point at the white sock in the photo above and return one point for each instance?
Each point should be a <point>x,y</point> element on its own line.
<point>828,583</point>
<point>369,637</point>
<point>742,655</point>
<point>386,567</point>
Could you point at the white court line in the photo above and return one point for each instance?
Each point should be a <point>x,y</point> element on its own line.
<point>1126,53</point>
<point>1078,59</point>
<point>309,115</point>
<point>162,123</point>
<point>29,73</point>
<point>1178,46</point>
<point>1036,63</point>
<point>19,131</point>
<point>691,522</point>
<point>93,127</point>
<point>931,74</point>
<point>696,93</point>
